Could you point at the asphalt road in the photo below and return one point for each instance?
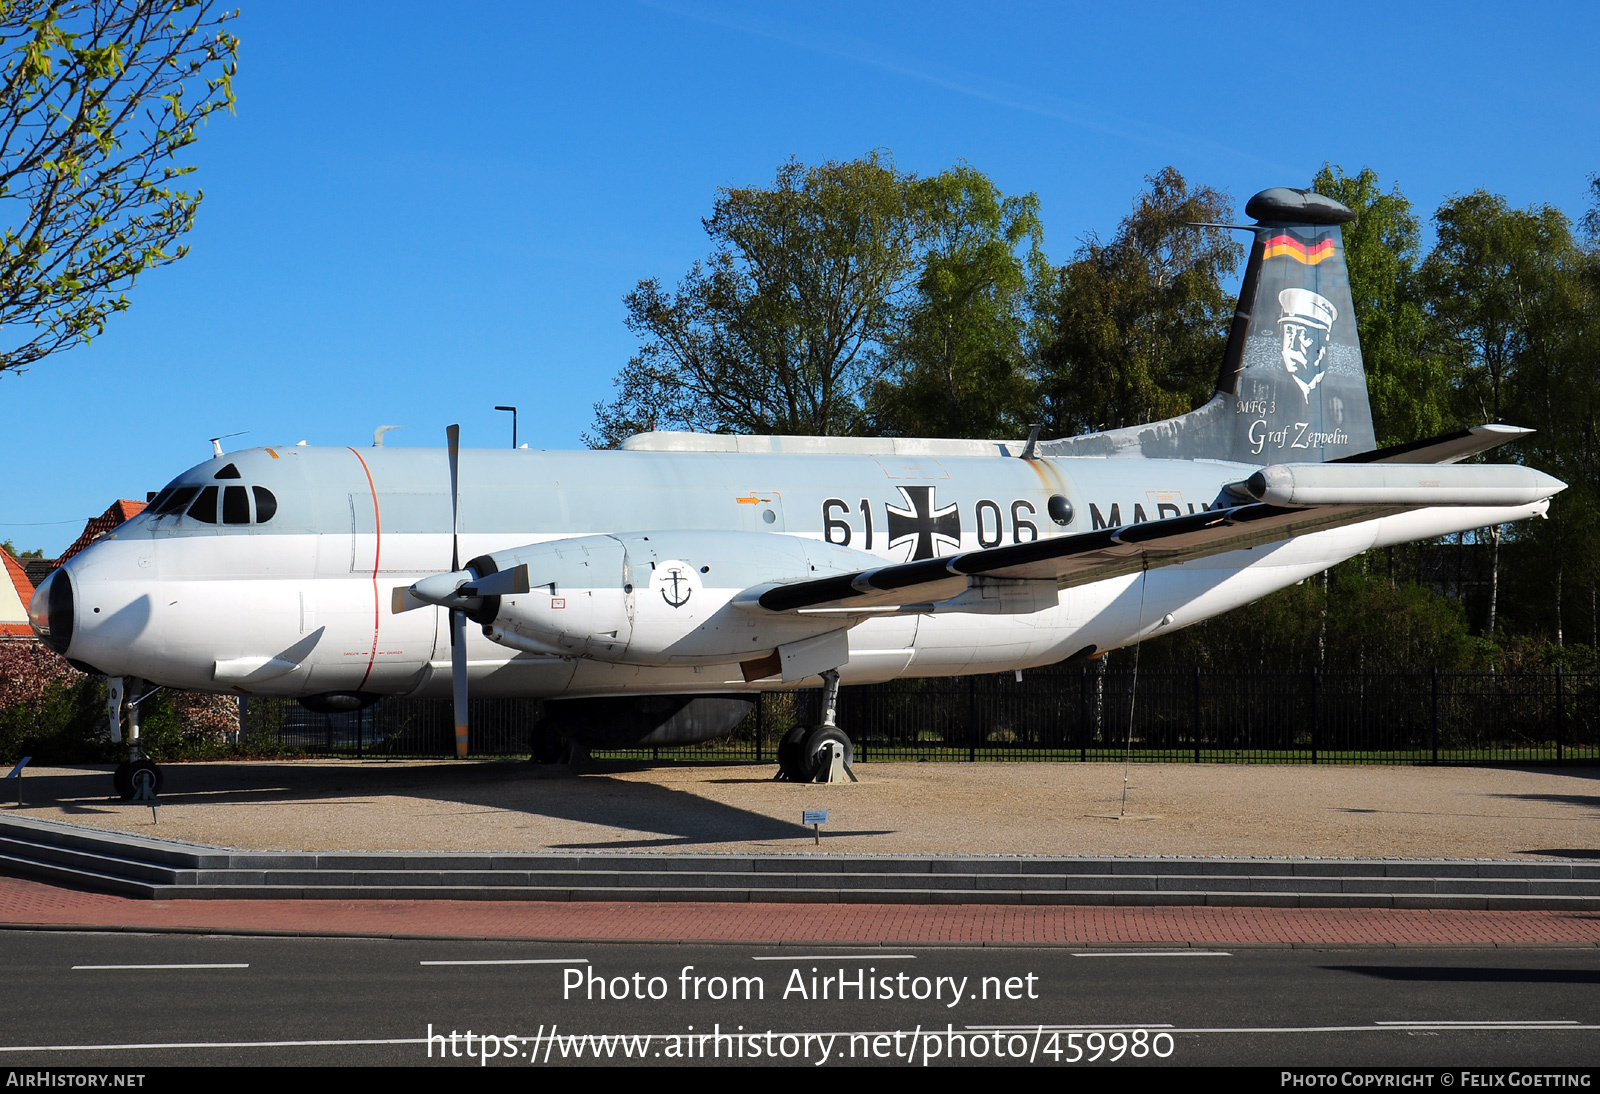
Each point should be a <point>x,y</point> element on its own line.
<point>74,999</point>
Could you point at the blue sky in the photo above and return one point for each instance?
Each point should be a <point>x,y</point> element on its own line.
<point>421,211</point>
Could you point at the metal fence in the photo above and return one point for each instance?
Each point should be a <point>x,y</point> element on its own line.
<point>1077,713</point>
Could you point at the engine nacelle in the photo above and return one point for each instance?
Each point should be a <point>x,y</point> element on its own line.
<point>659,598</point>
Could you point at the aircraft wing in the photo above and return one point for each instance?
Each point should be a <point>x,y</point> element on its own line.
<point>1293,500</point>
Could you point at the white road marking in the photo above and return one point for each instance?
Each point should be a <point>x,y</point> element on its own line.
<point>1155,953</point>
<point>842,957</point>
<point>1496,1023</point>
<point>195,966</point>
<point>517,961</point>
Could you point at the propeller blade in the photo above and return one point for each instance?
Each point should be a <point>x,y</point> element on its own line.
<point>458,678</point>
<point>452,435</point>
<point>501,583</point>
<point>403,600</point>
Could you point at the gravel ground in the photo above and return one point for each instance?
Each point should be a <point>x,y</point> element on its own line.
<point>939,808</point>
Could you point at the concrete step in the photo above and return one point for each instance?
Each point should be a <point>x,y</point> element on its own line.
<point>169,869</point>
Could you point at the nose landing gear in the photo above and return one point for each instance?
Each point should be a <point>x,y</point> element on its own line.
<point>821,753</point>
<point>138,778</point>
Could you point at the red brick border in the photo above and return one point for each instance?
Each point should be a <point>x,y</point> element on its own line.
<point>33,904</point>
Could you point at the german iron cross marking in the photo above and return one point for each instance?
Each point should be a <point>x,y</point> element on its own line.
<point>930,526</point>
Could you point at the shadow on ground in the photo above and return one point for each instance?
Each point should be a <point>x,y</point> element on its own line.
<point>1469,974</point>
<point>590,796</point>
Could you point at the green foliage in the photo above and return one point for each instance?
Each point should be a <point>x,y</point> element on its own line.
<point>65,723</point>
<point>783,328</point>
<point>1134,329</point>
<point>1351,622</point>
<point>96,100</point>
<point>1409,385</point>
<point>11,549</point>
<point>959,361</point>
<point>1489,285</point>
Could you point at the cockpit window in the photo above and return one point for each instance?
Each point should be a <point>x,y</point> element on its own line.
<point>228,472</point>
<point>176,501</point>
<point>235,505</point>
<point>205,507</point>
<point>266,504</point>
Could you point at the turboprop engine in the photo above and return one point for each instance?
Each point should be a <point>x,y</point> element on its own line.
<point>656,598</point>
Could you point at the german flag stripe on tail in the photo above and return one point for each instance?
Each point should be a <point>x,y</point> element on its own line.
<point>1289,245</point>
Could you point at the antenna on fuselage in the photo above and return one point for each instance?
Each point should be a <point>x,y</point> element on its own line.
<point>1028,452</point>
<point>377,434</point>
<point>216,442</point>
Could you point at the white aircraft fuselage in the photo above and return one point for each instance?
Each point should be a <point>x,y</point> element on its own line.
<point>299,604</point>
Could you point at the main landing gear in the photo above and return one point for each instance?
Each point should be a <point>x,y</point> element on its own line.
<point>138,778</point>
<point>821,753</point>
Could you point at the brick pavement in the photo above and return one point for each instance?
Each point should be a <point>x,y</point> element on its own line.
<point>32,904</point>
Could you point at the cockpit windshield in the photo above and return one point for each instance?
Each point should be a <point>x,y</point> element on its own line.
<point>201,503</point>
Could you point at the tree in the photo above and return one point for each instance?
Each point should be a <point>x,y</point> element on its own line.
<point>959,362</point>
<point>783,329</point>
<point>1134,329</point>
<point>1408,383</point>
<point>96,100</point>
<point>1499,289</point>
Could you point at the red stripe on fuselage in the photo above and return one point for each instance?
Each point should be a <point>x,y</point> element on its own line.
<point>377,546</point>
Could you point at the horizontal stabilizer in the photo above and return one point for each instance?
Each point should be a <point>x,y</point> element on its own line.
<point>1445,448</point>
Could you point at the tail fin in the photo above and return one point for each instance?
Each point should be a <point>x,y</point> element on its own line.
<point>1292,369</point>
<point>1292,387</point>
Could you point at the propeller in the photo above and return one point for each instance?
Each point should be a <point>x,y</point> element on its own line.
<point>458,618</point>
<point>462,592</point>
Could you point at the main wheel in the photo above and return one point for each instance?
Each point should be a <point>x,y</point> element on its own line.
<point>814,753</point>
<point>550,746</point>
<point>129,774</point>
<point>790,765</point>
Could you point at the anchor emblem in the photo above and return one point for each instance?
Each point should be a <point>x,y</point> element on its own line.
<point>676,588</point>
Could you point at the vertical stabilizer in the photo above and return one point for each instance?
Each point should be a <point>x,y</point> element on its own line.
<point>1293,369</point>
<point>1292,387</point>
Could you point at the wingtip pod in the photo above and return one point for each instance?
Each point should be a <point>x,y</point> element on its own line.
<point>1410,485</point>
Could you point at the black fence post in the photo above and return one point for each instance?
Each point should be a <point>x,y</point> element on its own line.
<point>1316,679</point>
<point>972,719</point>
<point>1561,736</point>
<point>1197,714</point>
<point>761,697</point>
<point>1083,714</point>
<point>1435,716</point>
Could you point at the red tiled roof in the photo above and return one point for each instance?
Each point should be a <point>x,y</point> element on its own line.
<point>121,511</point>
<point>18,577</point>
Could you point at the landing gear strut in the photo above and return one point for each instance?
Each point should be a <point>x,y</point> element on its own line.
<point>138,778</point>
<point>820,753</point>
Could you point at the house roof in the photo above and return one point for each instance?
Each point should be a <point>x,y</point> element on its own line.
<point>15,592</point>
<point>120,511</point>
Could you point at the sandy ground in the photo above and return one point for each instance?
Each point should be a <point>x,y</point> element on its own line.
<point>941,808</point>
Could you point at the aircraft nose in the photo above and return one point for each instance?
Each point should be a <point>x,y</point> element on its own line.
<point>51,612</point>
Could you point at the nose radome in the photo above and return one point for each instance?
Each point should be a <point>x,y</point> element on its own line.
<point>50,612</point>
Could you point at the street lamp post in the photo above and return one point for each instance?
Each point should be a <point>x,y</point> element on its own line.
<point>513,411</point>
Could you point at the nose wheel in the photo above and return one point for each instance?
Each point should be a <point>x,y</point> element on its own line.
<point>821,753</point>
<point>138,778</point>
